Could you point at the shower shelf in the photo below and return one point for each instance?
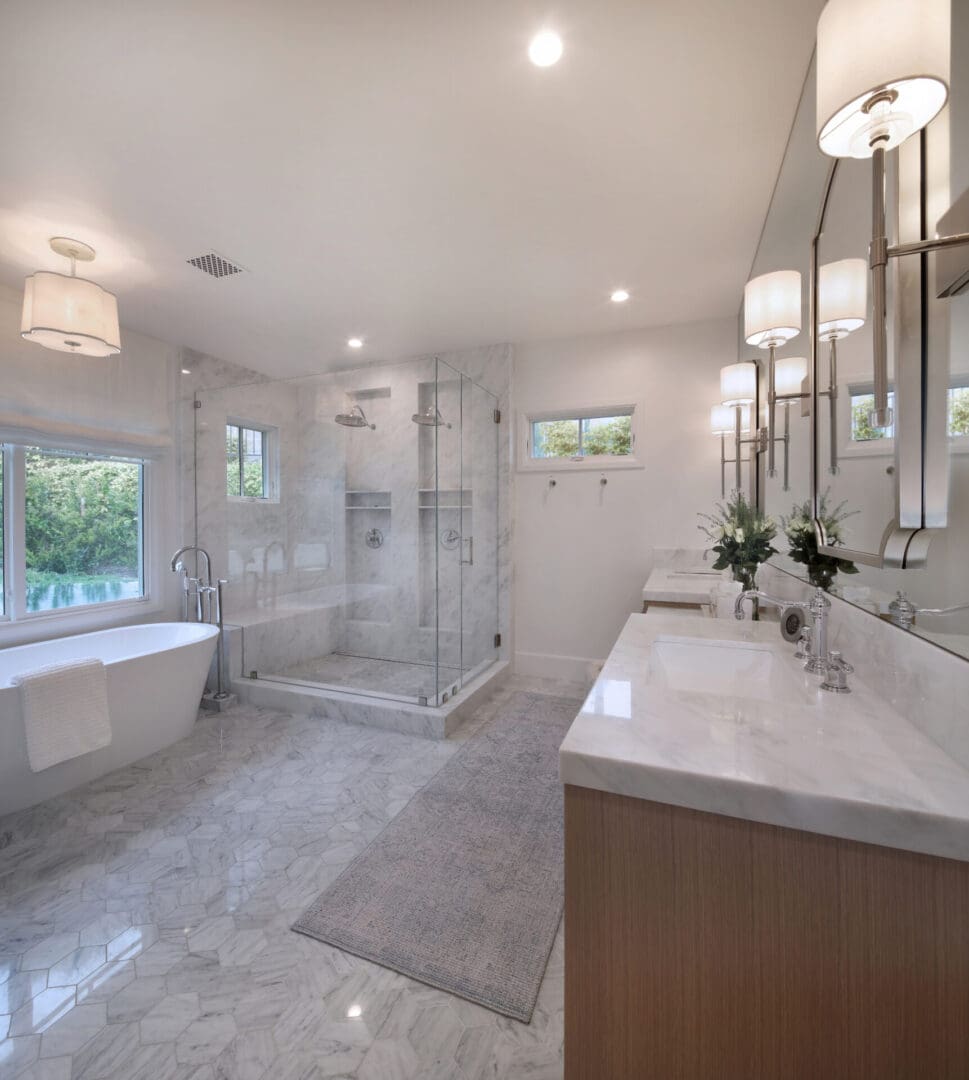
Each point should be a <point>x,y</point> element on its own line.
<point>356,499</point>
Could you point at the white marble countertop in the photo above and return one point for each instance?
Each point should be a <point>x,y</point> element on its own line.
<point>680,586</point>
<point>671,720</point>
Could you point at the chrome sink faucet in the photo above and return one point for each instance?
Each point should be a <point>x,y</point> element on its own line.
<point>902,611</point>
<point>817,607</point>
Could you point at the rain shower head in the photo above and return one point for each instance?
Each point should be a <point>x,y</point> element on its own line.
<point>430,417</point>
<point>356,417</point>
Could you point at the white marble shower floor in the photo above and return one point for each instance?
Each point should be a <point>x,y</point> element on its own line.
<point>144,919</point>
<point>366,674</point>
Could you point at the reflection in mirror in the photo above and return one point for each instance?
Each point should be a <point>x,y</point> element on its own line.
<point>856,459</point>
<point>785,244</point>
<point>860,493</point>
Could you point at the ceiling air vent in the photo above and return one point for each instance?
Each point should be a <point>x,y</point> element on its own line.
<point>216,265</point>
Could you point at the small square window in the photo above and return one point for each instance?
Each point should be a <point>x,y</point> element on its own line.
<point>862,402</point>
<point>958,412</point>
<point>247,457</point>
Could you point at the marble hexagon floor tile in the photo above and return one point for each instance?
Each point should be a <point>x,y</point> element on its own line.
<point>144,920</point>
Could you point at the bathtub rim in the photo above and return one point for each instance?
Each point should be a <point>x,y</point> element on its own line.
<point>200,632</point>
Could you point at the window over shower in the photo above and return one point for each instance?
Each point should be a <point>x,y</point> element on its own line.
<point>250,461</point>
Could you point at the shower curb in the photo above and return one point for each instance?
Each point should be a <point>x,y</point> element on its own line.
<point>428,721</point>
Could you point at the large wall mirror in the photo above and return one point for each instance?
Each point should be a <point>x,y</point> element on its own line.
<point>837,451</point>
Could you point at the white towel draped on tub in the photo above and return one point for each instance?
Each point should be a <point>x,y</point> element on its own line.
<point>65,710</point>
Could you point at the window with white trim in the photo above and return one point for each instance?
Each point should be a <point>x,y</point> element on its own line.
<point>591,436</point>
<point>863,401</point>
<point>958,411</point>
<point>249,461</point>
<point>74,530</point>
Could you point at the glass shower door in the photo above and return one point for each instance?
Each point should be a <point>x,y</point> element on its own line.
<point>479,529</point>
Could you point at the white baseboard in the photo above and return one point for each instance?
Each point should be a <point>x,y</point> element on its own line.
<point>575,669</point>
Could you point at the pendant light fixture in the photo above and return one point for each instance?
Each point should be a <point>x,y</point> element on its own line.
<point>68,313</point>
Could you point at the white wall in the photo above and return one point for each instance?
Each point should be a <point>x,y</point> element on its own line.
<point>582,551</point>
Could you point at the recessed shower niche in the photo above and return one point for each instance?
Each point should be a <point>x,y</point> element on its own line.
<point>368,502</point>
<point>375,567</point>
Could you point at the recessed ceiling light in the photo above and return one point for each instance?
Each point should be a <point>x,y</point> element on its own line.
<point>619,296</point>
<point>355,343</point>
<point>545,49</point>
<point>355,1011</point>
<point>186,371</point>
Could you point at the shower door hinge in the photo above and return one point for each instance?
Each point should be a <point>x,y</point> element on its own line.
<point>497,640</point>
<point>497,416</point>
<point>198,404</point>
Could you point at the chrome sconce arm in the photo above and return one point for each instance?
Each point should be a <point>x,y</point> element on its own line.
<point>880,252</point>
<point>740,437</point>
<point>797,371</point>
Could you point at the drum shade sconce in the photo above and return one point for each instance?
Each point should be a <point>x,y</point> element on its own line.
<point>68,313</point>
<point>883,75</point>
<point>732,421</point>
<point>842,309</point>
<point>772,318</point>
<point>738,394</point>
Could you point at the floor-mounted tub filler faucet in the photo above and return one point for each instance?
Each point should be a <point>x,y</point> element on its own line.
<point>814,650</point>
<point>208,604</point>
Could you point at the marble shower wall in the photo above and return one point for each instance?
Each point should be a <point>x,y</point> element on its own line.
<point>303,580</point>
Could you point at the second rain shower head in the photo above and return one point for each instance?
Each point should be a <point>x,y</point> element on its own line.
<point>430,417</point>
<point>356,417</point>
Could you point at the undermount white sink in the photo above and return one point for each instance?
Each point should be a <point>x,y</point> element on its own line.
<point>727,669</point>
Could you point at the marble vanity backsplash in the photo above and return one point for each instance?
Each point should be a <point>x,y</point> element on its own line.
<point>926,684</point>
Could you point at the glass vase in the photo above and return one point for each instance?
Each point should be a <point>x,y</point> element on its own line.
<point>822,576</point>
<point>746,574</point>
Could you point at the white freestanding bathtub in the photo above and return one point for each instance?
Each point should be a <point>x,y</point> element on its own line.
<point>156,675</point>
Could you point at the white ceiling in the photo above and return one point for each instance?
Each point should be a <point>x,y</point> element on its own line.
<point>397,170</point>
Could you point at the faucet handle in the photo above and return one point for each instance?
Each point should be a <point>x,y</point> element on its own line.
<point>803,651</point>
<point>836,677</point>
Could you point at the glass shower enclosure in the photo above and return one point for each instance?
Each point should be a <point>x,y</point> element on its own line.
<point>356,514</point>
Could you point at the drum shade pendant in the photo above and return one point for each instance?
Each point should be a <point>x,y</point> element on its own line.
<point>68,313</point>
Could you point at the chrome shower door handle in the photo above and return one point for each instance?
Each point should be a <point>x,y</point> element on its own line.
<point>469,561</point>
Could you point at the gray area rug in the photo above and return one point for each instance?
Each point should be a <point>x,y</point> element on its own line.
<point>464,888</point>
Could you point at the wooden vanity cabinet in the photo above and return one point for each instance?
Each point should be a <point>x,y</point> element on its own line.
<point>702,947</point>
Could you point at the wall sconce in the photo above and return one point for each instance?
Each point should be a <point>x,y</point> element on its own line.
<point>871,100</point>
<point>733,416</point>
<point>789,375</point>
<point>68,313</point>
<point>731,420</point>
<point>772,317</point>
<point>842,309</point>
<point>738,383</point>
